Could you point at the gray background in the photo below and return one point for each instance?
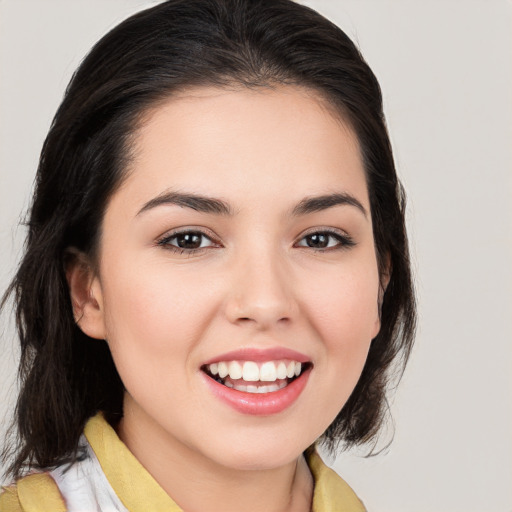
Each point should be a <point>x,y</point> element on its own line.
<point>446,71</point>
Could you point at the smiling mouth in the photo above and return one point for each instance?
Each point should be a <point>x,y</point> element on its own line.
<point>256,377</point>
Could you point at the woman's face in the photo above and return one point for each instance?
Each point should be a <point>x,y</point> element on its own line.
<point>241,242</point>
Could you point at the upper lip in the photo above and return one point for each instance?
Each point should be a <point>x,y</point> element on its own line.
<point>260,355</point>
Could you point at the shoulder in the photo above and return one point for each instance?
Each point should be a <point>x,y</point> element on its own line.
<point>37,492</point>
<point>9,500</point>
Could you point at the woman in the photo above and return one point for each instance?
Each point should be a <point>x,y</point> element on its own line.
<point>216,273</point>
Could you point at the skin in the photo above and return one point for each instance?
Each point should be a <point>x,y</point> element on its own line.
<point>256,283</point>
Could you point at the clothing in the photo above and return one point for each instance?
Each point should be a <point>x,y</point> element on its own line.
<point>110,479</point>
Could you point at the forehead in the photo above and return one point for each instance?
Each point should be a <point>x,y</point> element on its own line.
<point>241,141</point>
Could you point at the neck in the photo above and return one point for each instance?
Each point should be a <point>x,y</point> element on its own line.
<point>197,483</point>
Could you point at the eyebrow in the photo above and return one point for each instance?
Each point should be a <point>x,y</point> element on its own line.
<point>216,206</point>
<point>319,203</point>
<point>194,201</point>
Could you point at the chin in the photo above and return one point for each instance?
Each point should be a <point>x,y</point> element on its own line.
<point>259,454</point>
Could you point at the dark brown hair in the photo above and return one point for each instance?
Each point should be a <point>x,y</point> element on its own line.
<point>67,377</point>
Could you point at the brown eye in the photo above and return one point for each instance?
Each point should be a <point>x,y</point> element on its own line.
<point>317,240</point>
<point>186,241</point>
<point>189,240</point>
<point>321,240</point>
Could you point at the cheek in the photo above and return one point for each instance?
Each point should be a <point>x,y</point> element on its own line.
<point>346,316</point>
<point>348,306</point>
<point>151,317</point>
<point>343,315</point>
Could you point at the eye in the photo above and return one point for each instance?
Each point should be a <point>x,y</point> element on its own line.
<point>326,239</point>
<point>186,241</point>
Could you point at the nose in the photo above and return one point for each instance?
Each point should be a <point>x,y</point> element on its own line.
<point>261,292</point>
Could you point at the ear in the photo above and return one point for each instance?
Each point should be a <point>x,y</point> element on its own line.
<point>384,278</point>
<point>85,293</point>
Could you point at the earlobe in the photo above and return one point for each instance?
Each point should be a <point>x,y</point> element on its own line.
<point>85,294</point>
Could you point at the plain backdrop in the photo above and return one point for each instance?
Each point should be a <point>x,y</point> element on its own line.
<point>445,68</point>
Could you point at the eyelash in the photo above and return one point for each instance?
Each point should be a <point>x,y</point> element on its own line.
<point>165,242</point>
<point>344,241</point>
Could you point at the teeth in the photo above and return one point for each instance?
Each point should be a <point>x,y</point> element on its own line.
<point>281,371</point>
<point>258,389</point>
<point>251,371</point>
<point>268,372</point>
<point>223,370</point>
<point>235,370</point>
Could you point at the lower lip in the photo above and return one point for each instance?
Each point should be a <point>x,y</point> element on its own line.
<point>259,404</point>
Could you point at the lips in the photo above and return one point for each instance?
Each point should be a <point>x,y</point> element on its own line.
<point>258,382</point>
